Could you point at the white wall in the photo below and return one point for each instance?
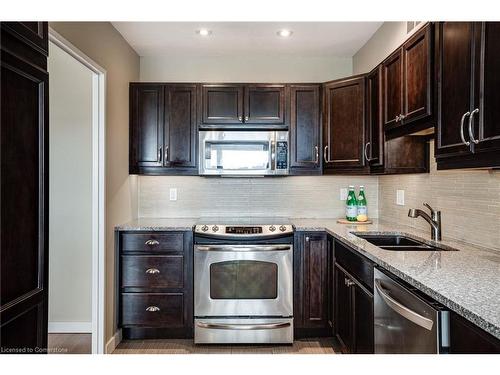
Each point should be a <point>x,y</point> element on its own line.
<point>387,38</point>
<point>243,69</point>
<point>70,189</point>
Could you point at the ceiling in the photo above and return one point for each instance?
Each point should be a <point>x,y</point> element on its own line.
<point>339,39</point>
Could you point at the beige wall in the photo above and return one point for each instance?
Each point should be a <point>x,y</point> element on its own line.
<point>304,197</point>
<point>469,201</point>
<point>70,189</point>
<point>102,43</point>
<point>244,69</point>
<point>387,38</point>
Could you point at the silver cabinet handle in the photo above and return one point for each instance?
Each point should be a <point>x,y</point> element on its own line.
<point>158,156</point>
<point>471,124</point>
<point>246,118</point>
<point>397,118</point>
<point>244,248</point>
<point>402,310</point>
<point>240,119</point>
<point>402,117</point>
<point>166,153</point>
<point>316,152</point>
<point>152,309</point>
<point>348,282</point>
<point>243,327</point>
<point>307,238</point>
<point>325,154</point>
<point>462,128</point>
<point>152,271</point>
<point>366,151</point>
<point>151,242</point>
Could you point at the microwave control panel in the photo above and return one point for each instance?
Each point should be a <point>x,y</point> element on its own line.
<point>281,155</point>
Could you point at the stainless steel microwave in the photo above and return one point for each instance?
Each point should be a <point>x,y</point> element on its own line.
<point>243,153</point>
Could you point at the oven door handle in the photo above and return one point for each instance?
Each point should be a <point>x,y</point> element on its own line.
<point>243,327</point>
<point>245,248</point>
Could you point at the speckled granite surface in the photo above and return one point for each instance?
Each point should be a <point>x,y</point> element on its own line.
<point>158,224</point>
<point>466,281</point>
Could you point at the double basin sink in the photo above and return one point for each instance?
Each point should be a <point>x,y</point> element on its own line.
<point>396,242</point>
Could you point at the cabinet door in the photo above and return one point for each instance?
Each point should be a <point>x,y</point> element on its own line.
<point>417,76</point>
<point>180,126</point>
<point>486,120</point>
<point>222,104</point>
<point>304,127</point>
<point>265,104</point>
<point>146,126</point>
<point>374,146</point>
<point>392,81</point>
<point>24,204</point>
<point>454,67</point>
<point>466,338</point>
<point>343,313</point>
<point>345,124</point>
<point>315,268</point>
<point>34,34</point>
<point>362,310</point>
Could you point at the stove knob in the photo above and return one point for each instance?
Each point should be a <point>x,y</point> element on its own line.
<point>215,228</point>
<point>204,228</point>
<point>272,228</point>
<point>282,228</point>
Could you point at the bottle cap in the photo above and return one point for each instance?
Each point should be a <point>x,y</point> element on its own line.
<point>361,186</point>
<point>351,186</point>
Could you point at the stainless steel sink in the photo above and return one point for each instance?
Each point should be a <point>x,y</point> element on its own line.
<point>396,242</point>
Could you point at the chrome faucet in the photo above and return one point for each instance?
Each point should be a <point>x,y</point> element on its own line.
<point>434,220</point>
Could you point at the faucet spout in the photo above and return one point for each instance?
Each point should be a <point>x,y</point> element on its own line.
<point>434,220</point>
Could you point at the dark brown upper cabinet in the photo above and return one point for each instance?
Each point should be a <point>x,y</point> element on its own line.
<point>222,104</point>
<point>407,84</point>
<point>305,129</point>
<point>344,125</point>
<point>407,154</point>
<point>229,105</point>
<point>163,131</point>
<point>468,120</point>
<point>264,104</point>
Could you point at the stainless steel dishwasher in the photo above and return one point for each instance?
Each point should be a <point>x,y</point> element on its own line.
<point>406,321</point>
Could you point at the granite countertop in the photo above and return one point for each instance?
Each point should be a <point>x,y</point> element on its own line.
<point>466,281</point>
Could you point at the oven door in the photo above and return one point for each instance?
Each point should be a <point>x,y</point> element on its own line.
<point>243,280</point>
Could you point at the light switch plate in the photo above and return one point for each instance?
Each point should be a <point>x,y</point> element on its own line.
<point>343,194</point>
<point>173,194</point>
<point>400,197</point>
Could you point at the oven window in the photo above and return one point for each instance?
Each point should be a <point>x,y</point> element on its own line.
<point>243,279</point>
<point>237,155</point>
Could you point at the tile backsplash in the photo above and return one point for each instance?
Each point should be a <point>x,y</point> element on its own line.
<point>298,196</point>
<point>469,201</point>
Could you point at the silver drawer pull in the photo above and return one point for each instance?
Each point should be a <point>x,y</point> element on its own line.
<point>152,271</point>
<point>152,309</point>
<point>151,242</point>
<point>243,327</point>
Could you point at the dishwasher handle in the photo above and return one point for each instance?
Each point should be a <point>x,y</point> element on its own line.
<point>402,310</point>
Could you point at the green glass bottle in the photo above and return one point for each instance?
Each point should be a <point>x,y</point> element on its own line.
<point>351,205</point>
<point>362,205</point>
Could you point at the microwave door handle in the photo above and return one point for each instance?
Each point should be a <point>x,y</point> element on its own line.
<point>273,155</point>
<point>402,310</point>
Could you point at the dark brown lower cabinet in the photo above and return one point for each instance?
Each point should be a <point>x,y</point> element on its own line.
<point>466,338</point>
<point>24,187</point>
<point>312,285</point>
<point>155,286</point>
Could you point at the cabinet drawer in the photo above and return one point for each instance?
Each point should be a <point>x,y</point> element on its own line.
<point>153,241</point>
<point>357,265</point>
<point>153,309</point>
<point>152,271</point>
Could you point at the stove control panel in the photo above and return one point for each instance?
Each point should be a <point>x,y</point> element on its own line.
<point>219,230</point>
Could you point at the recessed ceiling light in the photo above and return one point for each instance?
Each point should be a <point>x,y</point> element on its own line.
<point>285,33</point>
<point>204,32</point>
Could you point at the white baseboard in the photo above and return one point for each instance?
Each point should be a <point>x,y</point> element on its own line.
<point>113,342</point>
<point>70,327</point>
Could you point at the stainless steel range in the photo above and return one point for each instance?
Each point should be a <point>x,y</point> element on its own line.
<point>243,281</point>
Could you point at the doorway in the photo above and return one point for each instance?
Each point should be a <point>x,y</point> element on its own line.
<point>76,200</point>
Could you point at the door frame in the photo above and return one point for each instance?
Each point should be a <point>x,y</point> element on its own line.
<point>98,186</point>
